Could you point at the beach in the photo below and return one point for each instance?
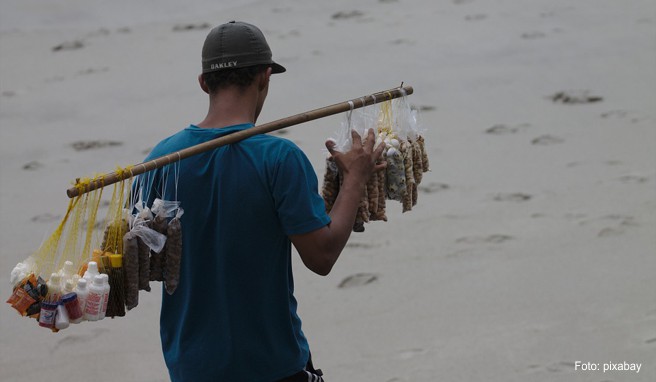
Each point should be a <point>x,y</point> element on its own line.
<point>530,255</point>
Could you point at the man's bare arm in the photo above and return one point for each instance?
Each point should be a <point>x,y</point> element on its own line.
<point>320,248</point>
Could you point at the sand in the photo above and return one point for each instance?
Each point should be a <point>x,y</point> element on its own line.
<point>532,246</point>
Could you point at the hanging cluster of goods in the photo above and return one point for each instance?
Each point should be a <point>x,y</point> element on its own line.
<point>396,126</point>
<point>91,268</point>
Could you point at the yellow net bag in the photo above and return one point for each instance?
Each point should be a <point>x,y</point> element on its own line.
<point>77,249</point>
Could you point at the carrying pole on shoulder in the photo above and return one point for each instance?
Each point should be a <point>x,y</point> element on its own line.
<point>356,103</point>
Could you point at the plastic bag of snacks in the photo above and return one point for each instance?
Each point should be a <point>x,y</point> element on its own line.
<point>397,127</point>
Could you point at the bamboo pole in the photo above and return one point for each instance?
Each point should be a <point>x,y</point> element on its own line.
<point>356,103</point>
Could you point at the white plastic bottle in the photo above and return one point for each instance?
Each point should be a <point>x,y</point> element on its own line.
<point>69,286</point>
<point>94,299</point>
<point>54,287</point>
<point>82,293</point>
<point>67,271</point>
<point>103,308</point>
<point>91,272</point>
<point>61,320</point>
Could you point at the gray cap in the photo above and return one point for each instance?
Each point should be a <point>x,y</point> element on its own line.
<point>237,45</point>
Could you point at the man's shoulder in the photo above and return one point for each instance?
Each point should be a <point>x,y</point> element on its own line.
<point>169,144</point>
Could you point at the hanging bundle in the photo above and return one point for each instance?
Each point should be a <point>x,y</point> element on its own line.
<point>395,124</point>
<point>47,284</point>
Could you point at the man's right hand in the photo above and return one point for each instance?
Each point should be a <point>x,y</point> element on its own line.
<point>320,248</point>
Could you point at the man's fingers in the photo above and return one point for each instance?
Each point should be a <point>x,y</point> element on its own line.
<point>378,152</point>
<point>330,145</point>
<point>355,138</point>
<point>371,140</point>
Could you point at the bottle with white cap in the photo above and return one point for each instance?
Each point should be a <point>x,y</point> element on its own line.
<point>54,287</point>
<point>103,307</point>
<point>82,293</point>
<point>67,271</point>
<point>69,286</point>
<point>94,299</point>
<point>61,320</point>
<point>91,272</point>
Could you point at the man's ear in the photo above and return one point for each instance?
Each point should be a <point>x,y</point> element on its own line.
<point>264,79</point>
<point>203,85</point>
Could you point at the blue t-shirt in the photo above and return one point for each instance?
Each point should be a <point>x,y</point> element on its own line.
<point>233,316</point>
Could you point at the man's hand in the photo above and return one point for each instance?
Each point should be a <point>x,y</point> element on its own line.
<point>361,161</point>
<point>320,248</point>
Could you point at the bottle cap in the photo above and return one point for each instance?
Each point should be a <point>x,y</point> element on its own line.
<point>70,284</point>
<point>55,278</point>
<point>49,305</point>
<point>98,280</point>
<point>82,283</point>
<point>117,260</point>
<point>68,297</point>
<point>92,268</point>
<point>68,268</point>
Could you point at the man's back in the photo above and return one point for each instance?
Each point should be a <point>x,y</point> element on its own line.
<point>233,316</point>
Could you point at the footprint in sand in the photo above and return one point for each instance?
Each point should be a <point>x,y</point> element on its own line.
<point>512,197</point>
<point>90,145</point>
<point>190,27</point>
<point>633,179</point>
<point>547,140</point>
<point>622,115</point>
<point>93,71</point>
<point>402,41</point>
<point>491,239</point>
<point>68,45</point>
<point>559,367</point>
<point>501,129</point>
<point>357,280</point>
<point>361,245</point>
<point>343,15</point>
<point>33,165</point>
<point>611,231</point>
<point>425,108</point>
<point>572,97</point>
<point>433,187</point>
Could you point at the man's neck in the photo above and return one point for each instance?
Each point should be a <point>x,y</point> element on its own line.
<point>230,107</point>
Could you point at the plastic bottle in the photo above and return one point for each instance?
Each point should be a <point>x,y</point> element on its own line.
<point>94,299</point>
<point>47,315</point>
<point>61,320</point>
<point>67,271</point>
<point>54,288</point>
<point>69,286</point>
<point>105,300</point>
<point>82,293</point>
<point>91,272</point>
<point>72,305</point>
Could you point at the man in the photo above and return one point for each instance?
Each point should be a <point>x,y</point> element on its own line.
<point>233,316</point>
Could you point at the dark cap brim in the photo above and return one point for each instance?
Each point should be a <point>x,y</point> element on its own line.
<point>277,68</point>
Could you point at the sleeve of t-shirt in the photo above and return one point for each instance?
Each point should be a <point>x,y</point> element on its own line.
<point>299,206</point>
